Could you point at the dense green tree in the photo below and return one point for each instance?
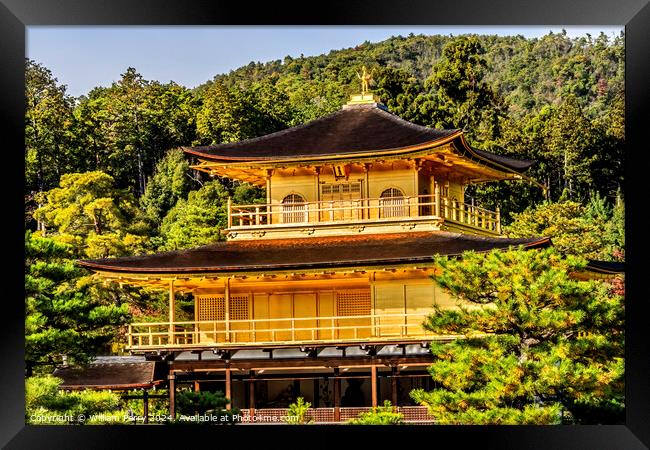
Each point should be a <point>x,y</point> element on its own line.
<point>570,226</point>
<point>48,132</point>
<point>170,182</point>
<point>229,114</point>
<point>458,95</point>
<point>64,316</point>
<point>197,220</point>
<point>48,121</point>
<point>129,126</point>
<point>87,211</point>
<point>539,347</point>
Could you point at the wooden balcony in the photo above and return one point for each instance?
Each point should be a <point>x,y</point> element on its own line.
<point>260,216</point>
<point>279,332</point>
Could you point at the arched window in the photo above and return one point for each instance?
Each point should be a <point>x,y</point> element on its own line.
<point>392,203</point>
<point>294,209</point>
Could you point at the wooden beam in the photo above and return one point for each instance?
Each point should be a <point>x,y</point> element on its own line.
<point>303,363</point>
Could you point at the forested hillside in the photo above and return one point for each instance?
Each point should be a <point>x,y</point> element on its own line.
<point>104,177</point>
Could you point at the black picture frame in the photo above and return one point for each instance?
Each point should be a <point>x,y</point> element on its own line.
<point>15,15</point>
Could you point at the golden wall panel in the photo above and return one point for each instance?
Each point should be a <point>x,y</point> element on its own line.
<point>305,305</point>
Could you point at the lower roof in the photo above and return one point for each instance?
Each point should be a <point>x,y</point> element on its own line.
<point>311,252</point>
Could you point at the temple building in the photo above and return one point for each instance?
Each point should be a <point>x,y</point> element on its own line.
<point>321,291</point>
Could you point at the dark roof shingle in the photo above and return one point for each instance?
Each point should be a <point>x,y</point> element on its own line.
<point>115,375</point>
<point>360,129</point>
<point>341,251</point>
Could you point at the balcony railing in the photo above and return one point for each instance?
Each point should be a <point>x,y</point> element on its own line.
<point>206,333</point>
<point>364,209</point>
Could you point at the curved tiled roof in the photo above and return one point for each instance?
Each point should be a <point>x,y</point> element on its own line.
<point>350,130</point>
<point>358,129</point>
<point>310,252</point>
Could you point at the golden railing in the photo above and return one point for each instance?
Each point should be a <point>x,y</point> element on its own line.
<point>364,209</point>
<point>276,330</point>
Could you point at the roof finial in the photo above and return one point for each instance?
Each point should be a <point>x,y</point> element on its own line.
<point>365,78</point>
<point>366,97</point>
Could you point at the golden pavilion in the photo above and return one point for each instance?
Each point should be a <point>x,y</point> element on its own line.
<point>321,291</point>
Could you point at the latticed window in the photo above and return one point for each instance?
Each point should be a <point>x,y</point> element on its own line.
<point>239,307</point>
<point>392,203</point>
<point>353,303</point>
<point>294,209</point>
<point>212,307</point>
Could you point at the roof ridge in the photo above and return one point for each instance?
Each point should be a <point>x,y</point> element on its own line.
<point>394,117</point>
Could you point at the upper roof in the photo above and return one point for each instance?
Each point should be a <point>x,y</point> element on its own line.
<point>310,252</point>
<point>353,130</point>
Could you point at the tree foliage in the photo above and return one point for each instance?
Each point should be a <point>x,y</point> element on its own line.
<point>64,316</point>
<point>380,415</point>
<point>297,412</point>
<point>595,231</point>
<point>46,404</point>
<point>170,182</point>
<point>87,211</point>
<point>540,347</point>
<point>205,402</point>
<point>197,220</point>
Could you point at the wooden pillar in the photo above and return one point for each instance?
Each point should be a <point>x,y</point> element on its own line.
<point>197,386</point>
<point>317,170</point>
<point>393,387</point>
<point>226,307</point>
<point>172,312</point>
<point>145,405</point>
<point>172,395</point>
<point>251,395</point>
<point>373,384</point>
<point>498,219</point>
<point>228,388</point>
<point>269,216</point>
<point>366,193</point>
<point>229,210</point>
<point>337,396</point>
<point>371,279</point>
<point>436,198</point>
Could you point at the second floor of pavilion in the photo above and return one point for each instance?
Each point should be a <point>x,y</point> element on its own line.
<point>360,169</point>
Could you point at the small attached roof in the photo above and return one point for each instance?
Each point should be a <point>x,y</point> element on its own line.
<point>310,252</point>
<point>115,375</point>
<point>354,131</point>
<point>606,267</point>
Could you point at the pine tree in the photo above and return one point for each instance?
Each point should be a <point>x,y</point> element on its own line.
<point>64,319</point>
<point>540,347</point>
